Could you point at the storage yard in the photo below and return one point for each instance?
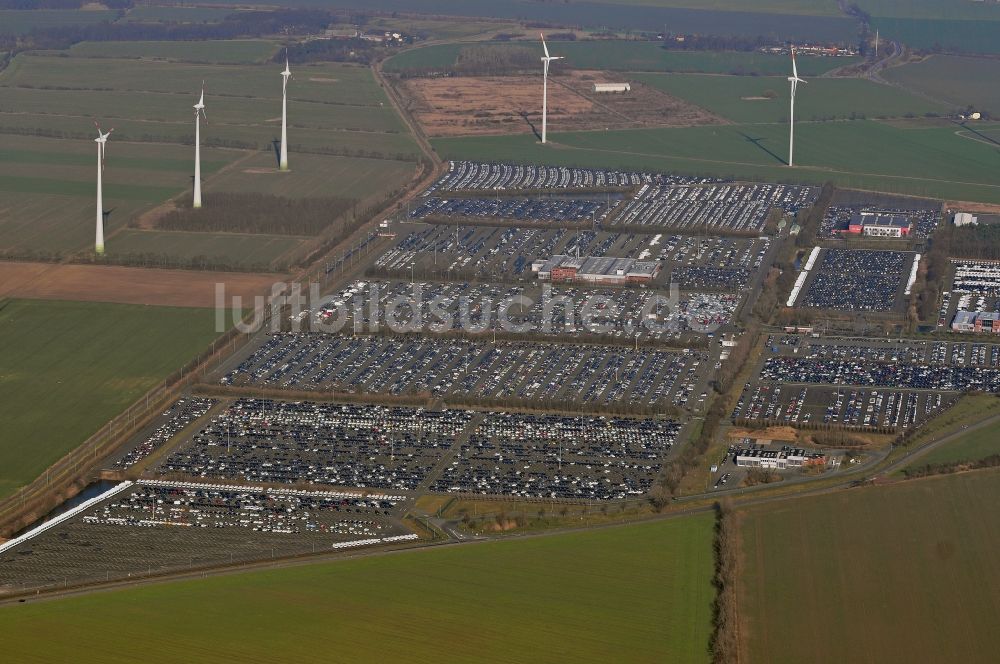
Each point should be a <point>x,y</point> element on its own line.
<point>857,280</point>
<point>152,527</point>
<point>462,370</point>
<point>879,383</point>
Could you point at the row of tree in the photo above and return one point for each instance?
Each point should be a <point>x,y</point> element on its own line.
<point>725,627</point>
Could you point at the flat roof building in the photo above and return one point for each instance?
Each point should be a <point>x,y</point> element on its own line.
<point>879,224</point>
<point>612,87</point>
<point>596,269</point>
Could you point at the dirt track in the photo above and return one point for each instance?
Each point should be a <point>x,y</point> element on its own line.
<point>128,285</point>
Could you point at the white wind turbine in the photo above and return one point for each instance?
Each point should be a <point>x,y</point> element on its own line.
<point>546,60</point>
<point>199,113</point>
<point>101,141</point>
<point>285,75</point>
<point>794,80</point>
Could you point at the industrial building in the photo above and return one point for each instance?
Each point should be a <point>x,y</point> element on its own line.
<point>976,321</point>
<point>966,219</point>
<point>601,270</point>
<point>753,457</point>
<point>879,224</point>
<point>612,87</point>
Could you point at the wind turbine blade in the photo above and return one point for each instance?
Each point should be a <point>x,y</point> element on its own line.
<point>795,71</point>
<point>544,46</point>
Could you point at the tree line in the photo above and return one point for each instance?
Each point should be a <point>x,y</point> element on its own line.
<point>259,213</point>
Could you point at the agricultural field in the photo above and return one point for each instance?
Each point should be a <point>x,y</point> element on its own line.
<point>429,28</point>
<point>773,21</point>
<point>235,51</point>
<point>77,365</point>
<point>854,598</point>
<point>748,99</point>
<point>315,175</point>
<point>931,9</point>
<point>974,445</point>
<point>235,249</point>
<point>469,105</point>
<point>340,123</point>
<point>660,571</point>
<point>953,79</point>
<point>23,21</point>
<point>151,102</point>
<point>47,188</point>
<point>964,36</point>
<point>919,158</point>
<point>153,14</point>
<point>627,56</point>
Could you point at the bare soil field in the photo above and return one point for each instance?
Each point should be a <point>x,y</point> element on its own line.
<point>127,285</point>
<point>464,105</point>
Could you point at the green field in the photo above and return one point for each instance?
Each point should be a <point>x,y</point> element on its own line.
<point>932,9</point>
<point>919,159</point>
<point>175,15</point>
<point>954,79</point>
<point>640,593</point>
<point>771,19</point>
<point>233,51</point>
<point>22,21</point>
<point>972,446</point>
<point>243,250</point>
<point>963,36</point>
<point>807,7</point>
<point>628,56</point>
<point>47,187</point>
<point>748,99</point>
<point>69,367</point>
<point>344,137</point>
<point>315,175</point>
<point>904,573</point>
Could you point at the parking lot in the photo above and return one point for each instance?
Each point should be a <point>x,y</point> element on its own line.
<point>864,382</point>
<point>728,207</point>
<point>279,442</point>
<point>801,405</point>
<point>857,280</point>
<point>551,456</point>
<point>530,210</point>
<point>154,526</point>
<point>837,218</point>
<point>574,311</point>
<point>714,263</point>
<point>180,414</point>
<point>477,176</point>
<point>975,286</point>
<point>460,368</point>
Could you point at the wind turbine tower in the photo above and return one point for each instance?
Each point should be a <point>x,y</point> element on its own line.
<point>199,112</point>
<point>794,80</point>
<point>546,60</point>
<point>101,141</point>
<point>285,75</point>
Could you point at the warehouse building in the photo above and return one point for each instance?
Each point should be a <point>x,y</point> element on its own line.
<point>753,457</point>
<point>879,224</point>
<point>966,219</point>
<point>976,321</point>
<point>600,270</point>
<point>612,87</point>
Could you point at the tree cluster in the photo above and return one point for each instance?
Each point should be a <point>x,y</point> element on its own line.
<point>259,213</point>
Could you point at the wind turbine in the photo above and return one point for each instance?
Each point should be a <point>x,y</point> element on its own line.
<point>794,80</point>
<point>546,60</point>
<point>101,140</point>
<point>199,113</point>
<point>285,75</point>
